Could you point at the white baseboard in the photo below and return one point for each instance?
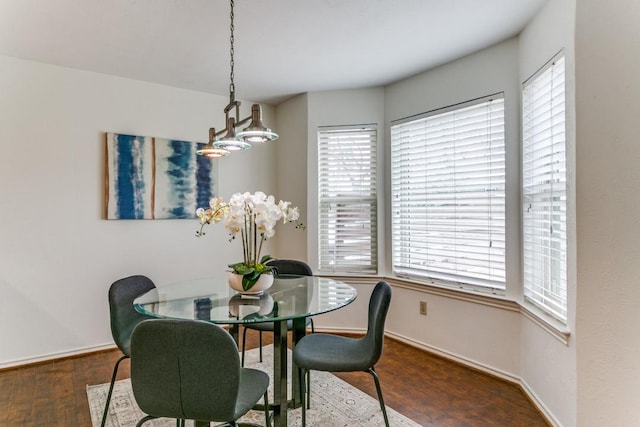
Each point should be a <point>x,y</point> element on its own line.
<point>483,368</point>
<point>456,358</point>
<point>340,330</point>
<point>52,356</point>
<point>540,405</point>
<point>465,362</point>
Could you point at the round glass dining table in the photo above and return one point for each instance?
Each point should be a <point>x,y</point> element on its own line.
<point>290,298</point>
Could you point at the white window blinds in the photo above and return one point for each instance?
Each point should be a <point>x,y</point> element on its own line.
<point>544,190</point>
<point>448,194</point>
<point>347,199</point>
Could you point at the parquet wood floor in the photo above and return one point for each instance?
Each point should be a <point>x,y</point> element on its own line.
<point>431,390</point>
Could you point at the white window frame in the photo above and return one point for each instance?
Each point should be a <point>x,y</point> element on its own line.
<point>544,189</point>
<point>347,199</point>
<point>429,216</point>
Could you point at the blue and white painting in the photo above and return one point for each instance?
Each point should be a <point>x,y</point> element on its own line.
<point>129,176</point>
<point>155,178</point>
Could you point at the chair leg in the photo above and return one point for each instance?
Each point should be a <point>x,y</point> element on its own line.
<point>379,390</point>
<point>244,340</point>
<point>145,419</point>
<point>313,331</point>
<point>266,410</point>
<point>302,375</point>
<point>308,389</point>
<point>113,380</point>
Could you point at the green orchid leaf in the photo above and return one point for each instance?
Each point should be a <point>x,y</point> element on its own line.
<point>250,278</point>
<point>242,269</point>
<point>248,282</point>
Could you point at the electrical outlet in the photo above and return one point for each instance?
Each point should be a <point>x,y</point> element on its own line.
<point>423,308</point>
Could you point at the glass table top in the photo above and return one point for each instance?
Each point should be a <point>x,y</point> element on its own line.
<point>212,299</point>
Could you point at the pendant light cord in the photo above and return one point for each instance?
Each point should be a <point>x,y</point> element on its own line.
<point>232,87</point>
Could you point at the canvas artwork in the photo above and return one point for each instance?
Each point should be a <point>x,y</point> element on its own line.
<point>156,178</point>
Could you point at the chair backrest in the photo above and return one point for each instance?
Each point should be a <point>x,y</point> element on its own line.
<point>378,308</point>
<point>123,316</point>
<point>291,267</point>
<point>185,369</point>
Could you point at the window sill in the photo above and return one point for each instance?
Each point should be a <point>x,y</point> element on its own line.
<point>463,294</point>
<point>546,322</point>
<point>551,326</point>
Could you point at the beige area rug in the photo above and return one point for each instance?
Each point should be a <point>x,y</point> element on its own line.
<point>334,403</point>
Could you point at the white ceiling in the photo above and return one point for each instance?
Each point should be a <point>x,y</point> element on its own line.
<point>282,47</point>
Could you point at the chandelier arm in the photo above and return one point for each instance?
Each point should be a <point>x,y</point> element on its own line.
<point>243,121</point>
<point>220,132</point>
<point>230,106</point>
<point>237,124</point>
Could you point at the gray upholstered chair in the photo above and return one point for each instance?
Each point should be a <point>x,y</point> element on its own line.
<point>124,318</point>
<point>334,353</point>
<point>190,370</point>
<point>284,268</point>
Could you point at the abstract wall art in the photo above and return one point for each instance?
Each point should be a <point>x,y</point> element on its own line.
<point>156,178</point>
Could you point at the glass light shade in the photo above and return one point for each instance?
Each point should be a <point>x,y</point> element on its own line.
<point>258,136</point>
<point>209,150</point>
<point>257,132</point>
<point>231,144</point>
<point>230,141</point>
<point>212,152</point>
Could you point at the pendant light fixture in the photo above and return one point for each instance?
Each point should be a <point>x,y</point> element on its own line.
<point>234,139</point>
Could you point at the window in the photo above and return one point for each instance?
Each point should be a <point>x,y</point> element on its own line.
<point>544,190</point>
<point>448,194</point>
<point>348,206</point>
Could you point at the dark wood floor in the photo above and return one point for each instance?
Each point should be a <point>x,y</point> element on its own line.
<point>430,390</point>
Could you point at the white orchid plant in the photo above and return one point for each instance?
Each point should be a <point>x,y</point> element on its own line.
<point>254,217</point>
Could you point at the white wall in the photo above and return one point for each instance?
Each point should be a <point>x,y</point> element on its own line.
<point>335,108</point>
<point>463,329</point>
<point>489,71</point>
<point>57,255</point>
<point>548,365</point>
<point>291,167</point>
<point>608,212</point>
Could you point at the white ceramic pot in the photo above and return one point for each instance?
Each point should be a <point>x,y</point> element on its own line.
<point>264,282</point>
